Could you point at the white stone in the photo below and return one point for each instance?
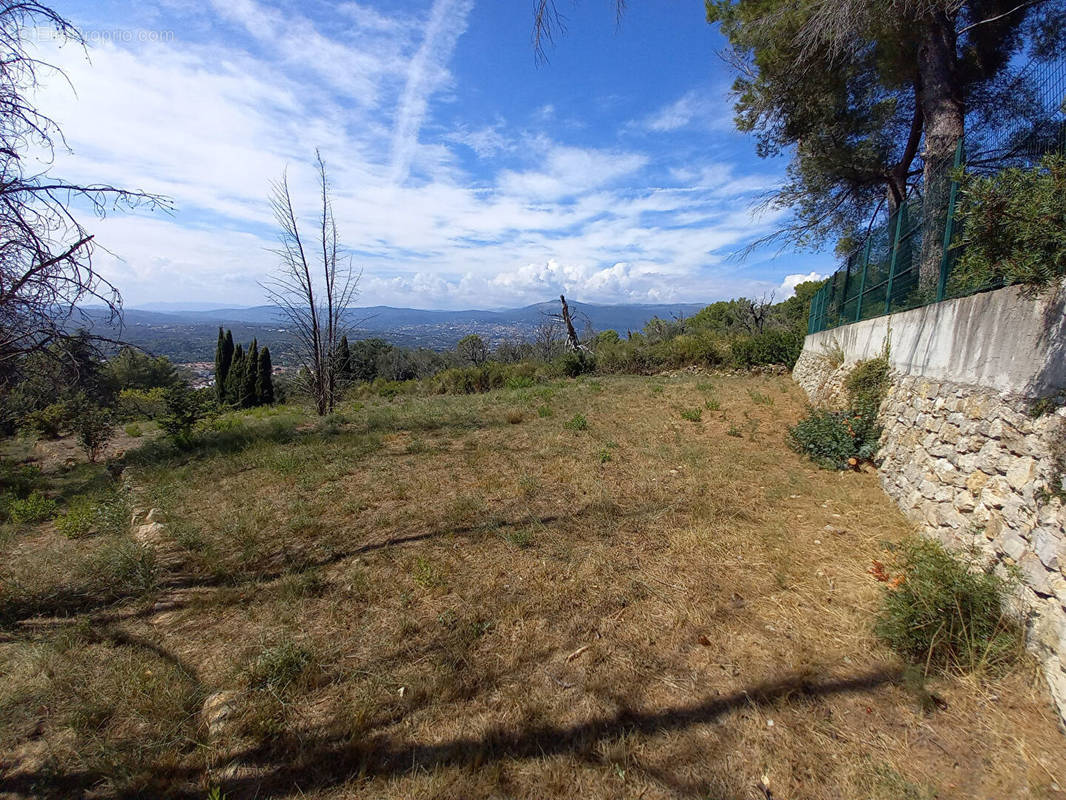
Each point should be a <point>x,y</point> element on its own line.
<point>1048,545</point>
<point>1021,473</point>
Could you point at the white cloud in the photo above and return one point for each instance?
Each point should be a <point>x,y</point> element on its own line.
<point>789,284</point>
<point>426,73</point>
<point>211,123</point>
<point>694,108</point>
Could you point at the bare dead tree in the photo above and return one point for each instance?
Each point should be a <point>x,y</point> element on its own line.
<point>313,291</point>
<point>757,312</point>
<point>47,272</point>
<point>566,320</point>
<point>546,337</point>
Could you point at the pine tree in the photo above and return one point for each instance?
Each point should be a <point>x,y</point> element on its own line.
<point>250,381</point>
<point>223,362</point>
<point>265,388</point>
<point>235,377</point>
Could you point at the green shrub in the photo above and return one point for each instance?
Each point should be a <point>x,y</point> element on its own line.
<point>78,519</point>
<point>183,411</point>
<point>825,437</point>
<point>35,508</point>
<point>576,423</point>
<point>19,479</point>
<point>105,512</point>
<point>713,405</point>
<point>839,439</point>
<point>544,411</point>
<point>519,382</point>
<point>692,414</point>
<point>136,404</point>
<point>134,430</point>
<point>942,613</point>
<point>768,348</point>
<point>49,421</point>
<point>576,362</point>
<point>1013,227</point>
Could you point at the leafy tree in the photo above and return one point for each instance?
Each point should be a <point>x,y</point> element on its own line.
<point>265,388</point>
<point>472,348</point>
<point>366,355</point>
<point>133,369</point>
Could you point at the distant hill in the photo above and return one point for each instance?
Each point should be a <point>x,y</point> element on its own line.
<point>189,334</point>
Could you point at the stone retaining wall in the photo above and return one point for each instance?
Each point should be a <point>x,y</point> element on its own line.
<point>969,465</point>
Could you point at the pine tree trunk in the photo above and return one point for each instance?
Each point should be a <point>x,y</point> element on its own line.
<point>944,114</point>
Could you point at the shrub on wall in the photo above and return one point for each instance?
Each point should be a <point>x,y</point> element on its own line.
<point>839,439</point>
<point>1013,226</point>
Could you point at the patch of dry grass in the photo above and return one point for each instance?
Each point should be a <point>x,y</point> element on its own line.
<point>426,598</point>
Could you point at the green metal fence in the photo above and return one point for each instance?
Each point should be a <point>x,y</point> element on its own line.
<point>885,273</point>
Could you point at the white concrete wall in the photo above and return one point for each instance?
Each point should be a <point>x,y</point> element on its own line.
<point>999,340</point>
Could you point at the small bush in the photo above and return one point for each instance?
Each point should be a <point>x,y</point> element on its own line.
<point>825,437</point>
<point>521,538</point>
<point>604,455</point>
<point>519,382</point>
<point>95,427</point>
<point>19,479</point>
<point>839,439</point>
<point>79,518</point>
<point>692,414</point>
<point>713,405</point>
<point>182,411</point>
<point>134,430</point>
<point>576,362</point>
<point>767,348</point>
<point>35,508</point>
<point>942,613</point>
<point>576,423</point>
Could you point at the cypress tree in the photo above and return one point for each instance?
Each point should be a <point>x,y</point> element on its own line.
<point>235,377</point>
<point>265,388</point>
<point>250,381</point>
<point>223,363</point>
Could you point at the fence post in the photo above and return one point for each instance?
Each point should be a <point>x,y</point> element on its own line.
<point>949,229</point>
<point>844,293</point>
<point>900,214</point>
<point>862,280</point>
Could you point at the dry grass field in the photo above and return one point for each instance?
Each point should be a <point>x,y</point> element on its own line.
<point>611,588</point>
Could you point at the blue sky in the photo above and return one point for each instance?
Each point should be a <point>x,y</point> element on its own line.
<point>465,174</point>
